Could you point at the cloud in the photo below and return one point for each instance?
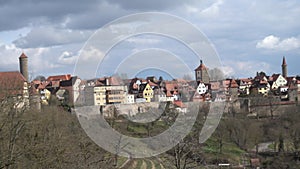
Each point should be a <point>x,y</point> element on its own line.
<point>273,42</point>
<point>49,36</point>
<point>213,10</point>
<point>67,58</point>
<point>228,71</point>
<point>153,4</point>
<point>245,69</point>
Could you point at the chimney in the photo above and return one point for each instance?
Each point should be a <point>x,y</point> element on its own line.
<point>23,61</point>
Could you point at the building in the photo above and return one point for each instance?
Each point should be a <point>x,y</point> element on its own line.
<point>276,81</point>
<point>14,85</point>
<point>104,95</point>
<point>244,86</point>
<point>201,88</point>
<point>146,92</point>
<point>260,85</point>
<point>201,73</point>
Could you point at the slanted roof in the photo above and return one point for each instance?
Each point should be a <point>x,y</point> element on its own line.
<point>11,83</point>
<point>59,77</point>
<point>67,83</point>
<point>23,55</point>
<point>233,84</point>
<point>142,87</point>
<point>152,84</point>
<point>43,85</point>
<point>201,66</point>
<point>283,61</point>
<point>171,89</point>
<point>274,77</point>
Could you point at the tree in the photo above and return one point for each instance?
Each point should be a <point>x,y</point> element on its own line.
<point>40,78</point>
<point>187,77</point>
<point>216,74</point>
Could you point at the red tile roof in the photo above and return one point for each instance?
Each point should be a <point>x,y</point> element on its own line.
<point>43,85</point>
<point>11,83</point>
<point>201,66</point>
<point>23,56</point>
<point>171,89</point>
<point>233,84</point>
<point>59,77</point>
<point>283,61</point>
<point>274,77</point>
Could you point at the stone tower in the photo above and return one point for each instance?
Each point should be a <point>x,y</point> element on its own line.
<point>284,67</point>
<point>201,73</point>
<point>23,61</point>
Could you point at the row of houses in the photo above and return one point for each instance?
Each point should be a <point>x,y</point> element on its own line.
<point>114,90</point>
<point>277,85</point>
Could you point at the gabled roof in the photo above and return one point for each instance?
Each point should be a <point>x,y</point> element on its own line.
<point>142,87</point>
<point>233,84</point>
<point>171,89</point>
<point>11,83</point>
<point>274,77</point>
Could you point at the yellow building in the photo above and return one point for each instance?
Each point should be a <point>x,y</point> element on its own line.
<point>146,92</point>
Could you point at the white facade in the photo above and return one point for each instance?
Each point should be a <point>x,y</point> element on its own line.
<point>129,99</point>
<point>201,89</point>
<point>76,89</point>
<point>280,81</point>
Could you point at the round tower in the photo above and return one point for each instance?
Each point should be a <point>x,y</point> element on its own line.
<point>284,67</point>
<point>23,61</point>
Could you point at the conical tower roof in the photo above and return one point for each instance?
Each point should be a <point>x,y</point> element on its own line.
<point>23,55</point>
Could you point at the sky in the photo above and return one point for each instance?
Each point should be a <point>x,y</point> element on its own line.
<point>248,35</point>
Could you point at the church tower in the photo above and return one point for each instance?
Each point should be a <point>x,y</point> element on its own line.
<point>284,67</point>
<point>23,61</point>
<point>201,73</point>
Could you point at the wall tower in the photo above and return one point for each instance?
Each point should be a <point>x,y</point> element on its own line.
<point>284,67</point>
<point>201,73</point>
<point>23,61</point>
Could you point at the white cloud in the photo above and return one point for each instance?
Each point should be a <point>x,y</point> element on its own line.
<point>67,58</point>
<point>228,71</point>
<point>245,68</point>
<point>273,42</point>
<point>213,10</point>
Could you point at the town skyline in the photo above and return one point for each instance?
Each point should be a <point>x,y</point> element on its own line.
<point>243,33</point>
